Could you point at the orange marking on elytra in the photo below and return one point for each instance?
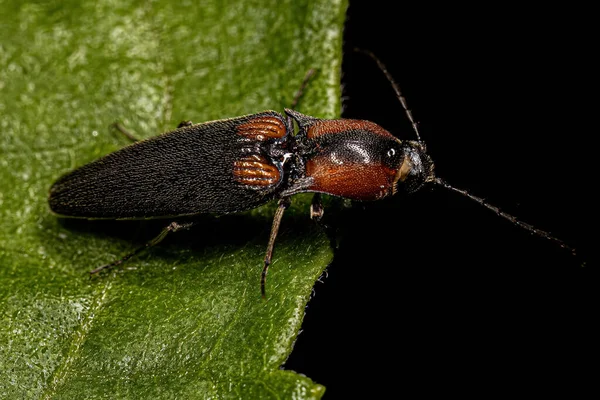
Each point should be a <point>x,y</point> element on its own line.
<point>262,128</point>
<point>255,170</point>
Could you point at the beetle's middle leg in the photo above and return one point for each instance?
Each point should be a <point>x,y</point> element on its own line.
<point>316,208</point>
<point>172,227</point>
<point>284,203</point>
<point>316,214</point>
<point>300,91</point>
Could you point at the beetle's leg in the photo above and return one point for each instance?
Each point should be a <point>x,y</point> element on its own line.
<point>173,227</point>
<point>132,137</point>
<point>125,132</point>
<point>300,91</point>
<point>316,208</point>
<point>184,123</point>
<point>283,205</point>
<point>316,214</point>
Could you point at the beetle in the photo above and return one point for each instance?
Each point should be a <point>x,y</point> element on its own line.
<point>237,164</point>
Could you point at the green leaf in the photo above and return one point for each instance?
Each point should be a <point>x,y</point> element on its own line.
<point>186,319</point>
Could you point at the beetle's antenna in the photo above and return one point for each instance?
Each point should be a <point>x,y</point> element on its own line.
<point>507,216</point>
<point>399,94</point>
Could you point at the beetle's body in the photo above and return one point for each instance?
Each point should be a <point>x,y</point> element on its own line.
<point>238,164</point>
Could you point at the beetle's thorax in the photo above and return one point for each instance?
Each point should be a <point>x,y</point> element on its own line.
<point>356,159</point>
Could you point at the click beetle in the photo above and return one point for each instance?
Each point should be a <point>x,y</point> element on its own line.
<point>237,164</point>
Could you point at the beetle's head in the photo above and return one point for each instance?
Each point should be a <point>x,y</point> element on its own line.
<point>416,168</point>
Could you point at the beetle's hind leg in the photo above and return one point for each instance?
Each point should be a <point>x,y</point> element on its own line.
<point>133,138</point>
<point>172,227</point>
<point>124,132</point>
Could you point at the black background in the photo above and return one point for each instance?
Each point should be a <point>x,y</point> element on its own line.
<point>433,293</point>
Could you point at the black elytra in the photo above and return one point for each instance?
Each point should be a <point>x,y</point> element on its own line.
<point>188,171</point>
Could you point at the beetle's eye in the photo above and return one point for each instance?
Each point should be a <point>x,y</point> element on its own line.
<point>392,156</point>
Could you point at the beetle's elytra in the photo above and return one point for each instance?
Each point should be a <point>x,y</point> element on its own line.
<point>217,167</point>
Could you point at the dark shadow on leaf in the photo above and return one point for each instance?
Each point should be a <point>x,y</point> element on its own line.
<point>225,233</point>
